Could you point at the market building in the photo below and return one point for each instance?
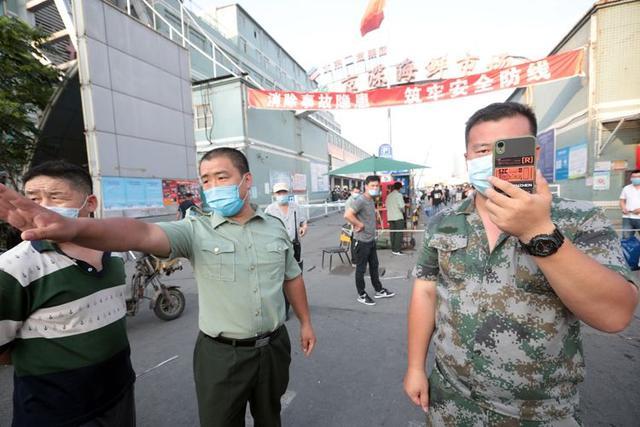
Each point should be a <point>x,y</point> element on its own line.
<point>589,127</point>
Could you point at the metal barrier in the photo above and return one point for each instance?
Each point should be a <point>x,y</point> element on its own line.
<point>320,210</point>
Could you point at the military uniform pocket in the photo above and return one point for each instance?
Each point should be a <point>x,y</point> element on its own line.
<point>451,256</point>
<point>219,260</point>
<point>275,258</point>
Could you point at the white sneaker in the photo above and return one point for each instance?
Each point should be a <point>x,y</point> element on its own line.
<point>397,253</point>
<point>366,299</point>
<point>384,293</point>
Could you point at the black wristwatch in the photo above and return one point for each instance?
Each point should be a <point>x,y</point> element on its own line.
<point>544,245</point>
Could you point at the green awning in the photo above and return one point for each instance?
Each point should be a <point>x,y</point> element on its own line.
<point>375,164</point>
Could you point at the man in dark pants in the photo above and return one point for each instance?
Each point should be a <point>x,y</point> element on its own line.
<point>395,217</point>
<point>355,193</point>
<point>362,215</point>
<point>437,198</point>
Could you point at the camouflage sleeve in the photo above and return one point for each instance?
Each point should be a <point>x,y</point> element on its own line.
<point>597,239</point>
<point>427,267</point>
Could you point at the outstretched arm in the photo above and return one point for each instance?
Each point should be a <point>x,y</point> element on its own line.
<point>113,234</point>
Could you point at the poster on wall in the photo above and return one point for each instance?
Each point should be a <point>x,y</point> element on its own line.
<point>319,177</point>
<point>602,166</point>
<point>562,164</point>
<point>546,160</point>
<point>113,193</point>
<point>601,180</point>
<point>619,165</point>
<point>299,182</point>
<point>131,193</point>
<point>174,190</point>
<point>578,161</point>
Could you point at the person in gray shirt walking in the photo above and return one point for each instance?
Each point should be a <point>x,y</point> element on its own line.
<point>362,215</point>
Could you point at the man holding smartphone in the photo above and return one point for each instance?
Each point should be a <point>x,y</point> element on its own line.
<point>501,286</point>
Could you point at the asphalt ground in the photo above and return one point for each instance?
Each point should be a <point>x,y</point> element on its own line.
<point>354,377</point>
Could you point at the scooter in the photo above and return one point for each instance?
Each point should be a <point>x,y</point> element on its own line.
<point>167,302</point>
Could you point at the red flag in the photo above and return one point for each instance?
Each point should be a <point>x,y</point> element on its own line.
<point>373,16</point>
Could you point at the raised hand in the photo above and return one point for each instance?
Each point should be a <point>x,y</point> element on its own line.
<point>519,213</point>
<point>35,221</point>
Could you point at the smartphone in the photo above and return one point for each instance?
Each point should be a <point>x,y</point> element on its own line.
<point>514,160</point>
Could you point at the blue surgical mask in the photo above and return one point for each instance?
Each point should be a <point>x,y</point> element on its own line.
<point>355,195</point>
<point>480,169</point>
<point>374,193</point>
<point>225,200</point>
<point>635,181</point>
<point>282,199</point>
<point>65,211</point>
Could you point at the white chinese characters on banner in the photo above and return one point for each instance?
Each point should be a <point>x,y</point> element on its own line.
<point>367,70</point>
<point>556,67</point>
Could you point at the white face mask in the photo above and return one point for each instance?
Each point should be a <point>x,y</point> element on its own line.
<point>480,170</point>
<point>67,212</point>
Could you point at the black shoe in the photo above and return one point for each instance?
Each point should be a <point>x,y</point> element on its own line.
<point>384,293</point>
<point>366,299</point>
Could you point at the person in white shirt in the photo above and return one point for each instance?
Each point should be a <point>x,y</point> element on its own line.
<point>294,221</point>
<point>630,205</point>
<point>290,214</point>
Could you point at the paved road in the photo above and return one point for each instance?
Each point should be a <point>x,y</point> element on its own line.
<point>354,378</point>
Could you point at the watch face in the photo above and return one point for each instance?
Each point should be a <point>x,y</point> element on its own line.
<point>544,246</point>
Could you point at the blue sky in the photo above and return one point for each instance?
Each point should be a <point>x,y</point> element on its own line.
<point>320,31</point>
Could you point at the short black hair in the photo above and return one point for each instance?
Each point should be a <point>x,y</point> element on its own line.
<point>355,187</point>
<point>237,157</point>
<point>501,110</point>
<point>397,185</point>
<point>634,171</point>
<point>78,177</point>
<point>188,195</point>
<point>372,178</point>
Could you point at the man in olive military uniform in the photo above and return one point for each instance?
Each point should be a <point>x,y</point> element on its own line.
<point>501,286</point>
<point>242,260</point>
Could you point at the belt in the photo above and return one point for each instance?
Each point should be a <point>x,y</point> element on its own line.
<point>257,342</point>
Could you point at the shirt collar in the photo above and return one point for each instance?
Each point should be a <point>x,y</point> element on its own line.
<point>468,205</point>
<point>217,219</point>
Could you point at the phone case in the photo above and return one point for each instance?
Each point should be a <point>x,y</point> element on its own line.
<point>514,160</point>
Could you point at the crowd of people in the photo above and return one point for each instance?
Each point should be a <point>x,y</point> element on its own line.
<point>502,283</point>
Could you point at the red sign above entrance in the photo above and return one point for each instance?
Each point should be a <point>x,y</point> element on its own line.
<point>553,68</point>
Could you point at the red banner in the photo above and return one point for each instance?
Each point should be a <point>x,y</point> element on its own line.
<point>556,67</point>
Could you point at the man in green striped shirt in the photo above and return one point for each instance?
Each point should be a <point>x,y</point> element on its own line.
<point>62,318</point>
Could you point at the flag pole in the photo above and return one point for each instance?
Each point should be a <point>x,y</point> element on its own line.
<point>388,31</point>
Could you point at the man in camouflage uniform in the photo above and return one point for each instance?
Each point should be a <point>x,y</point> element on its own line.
<point>505,322</point>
